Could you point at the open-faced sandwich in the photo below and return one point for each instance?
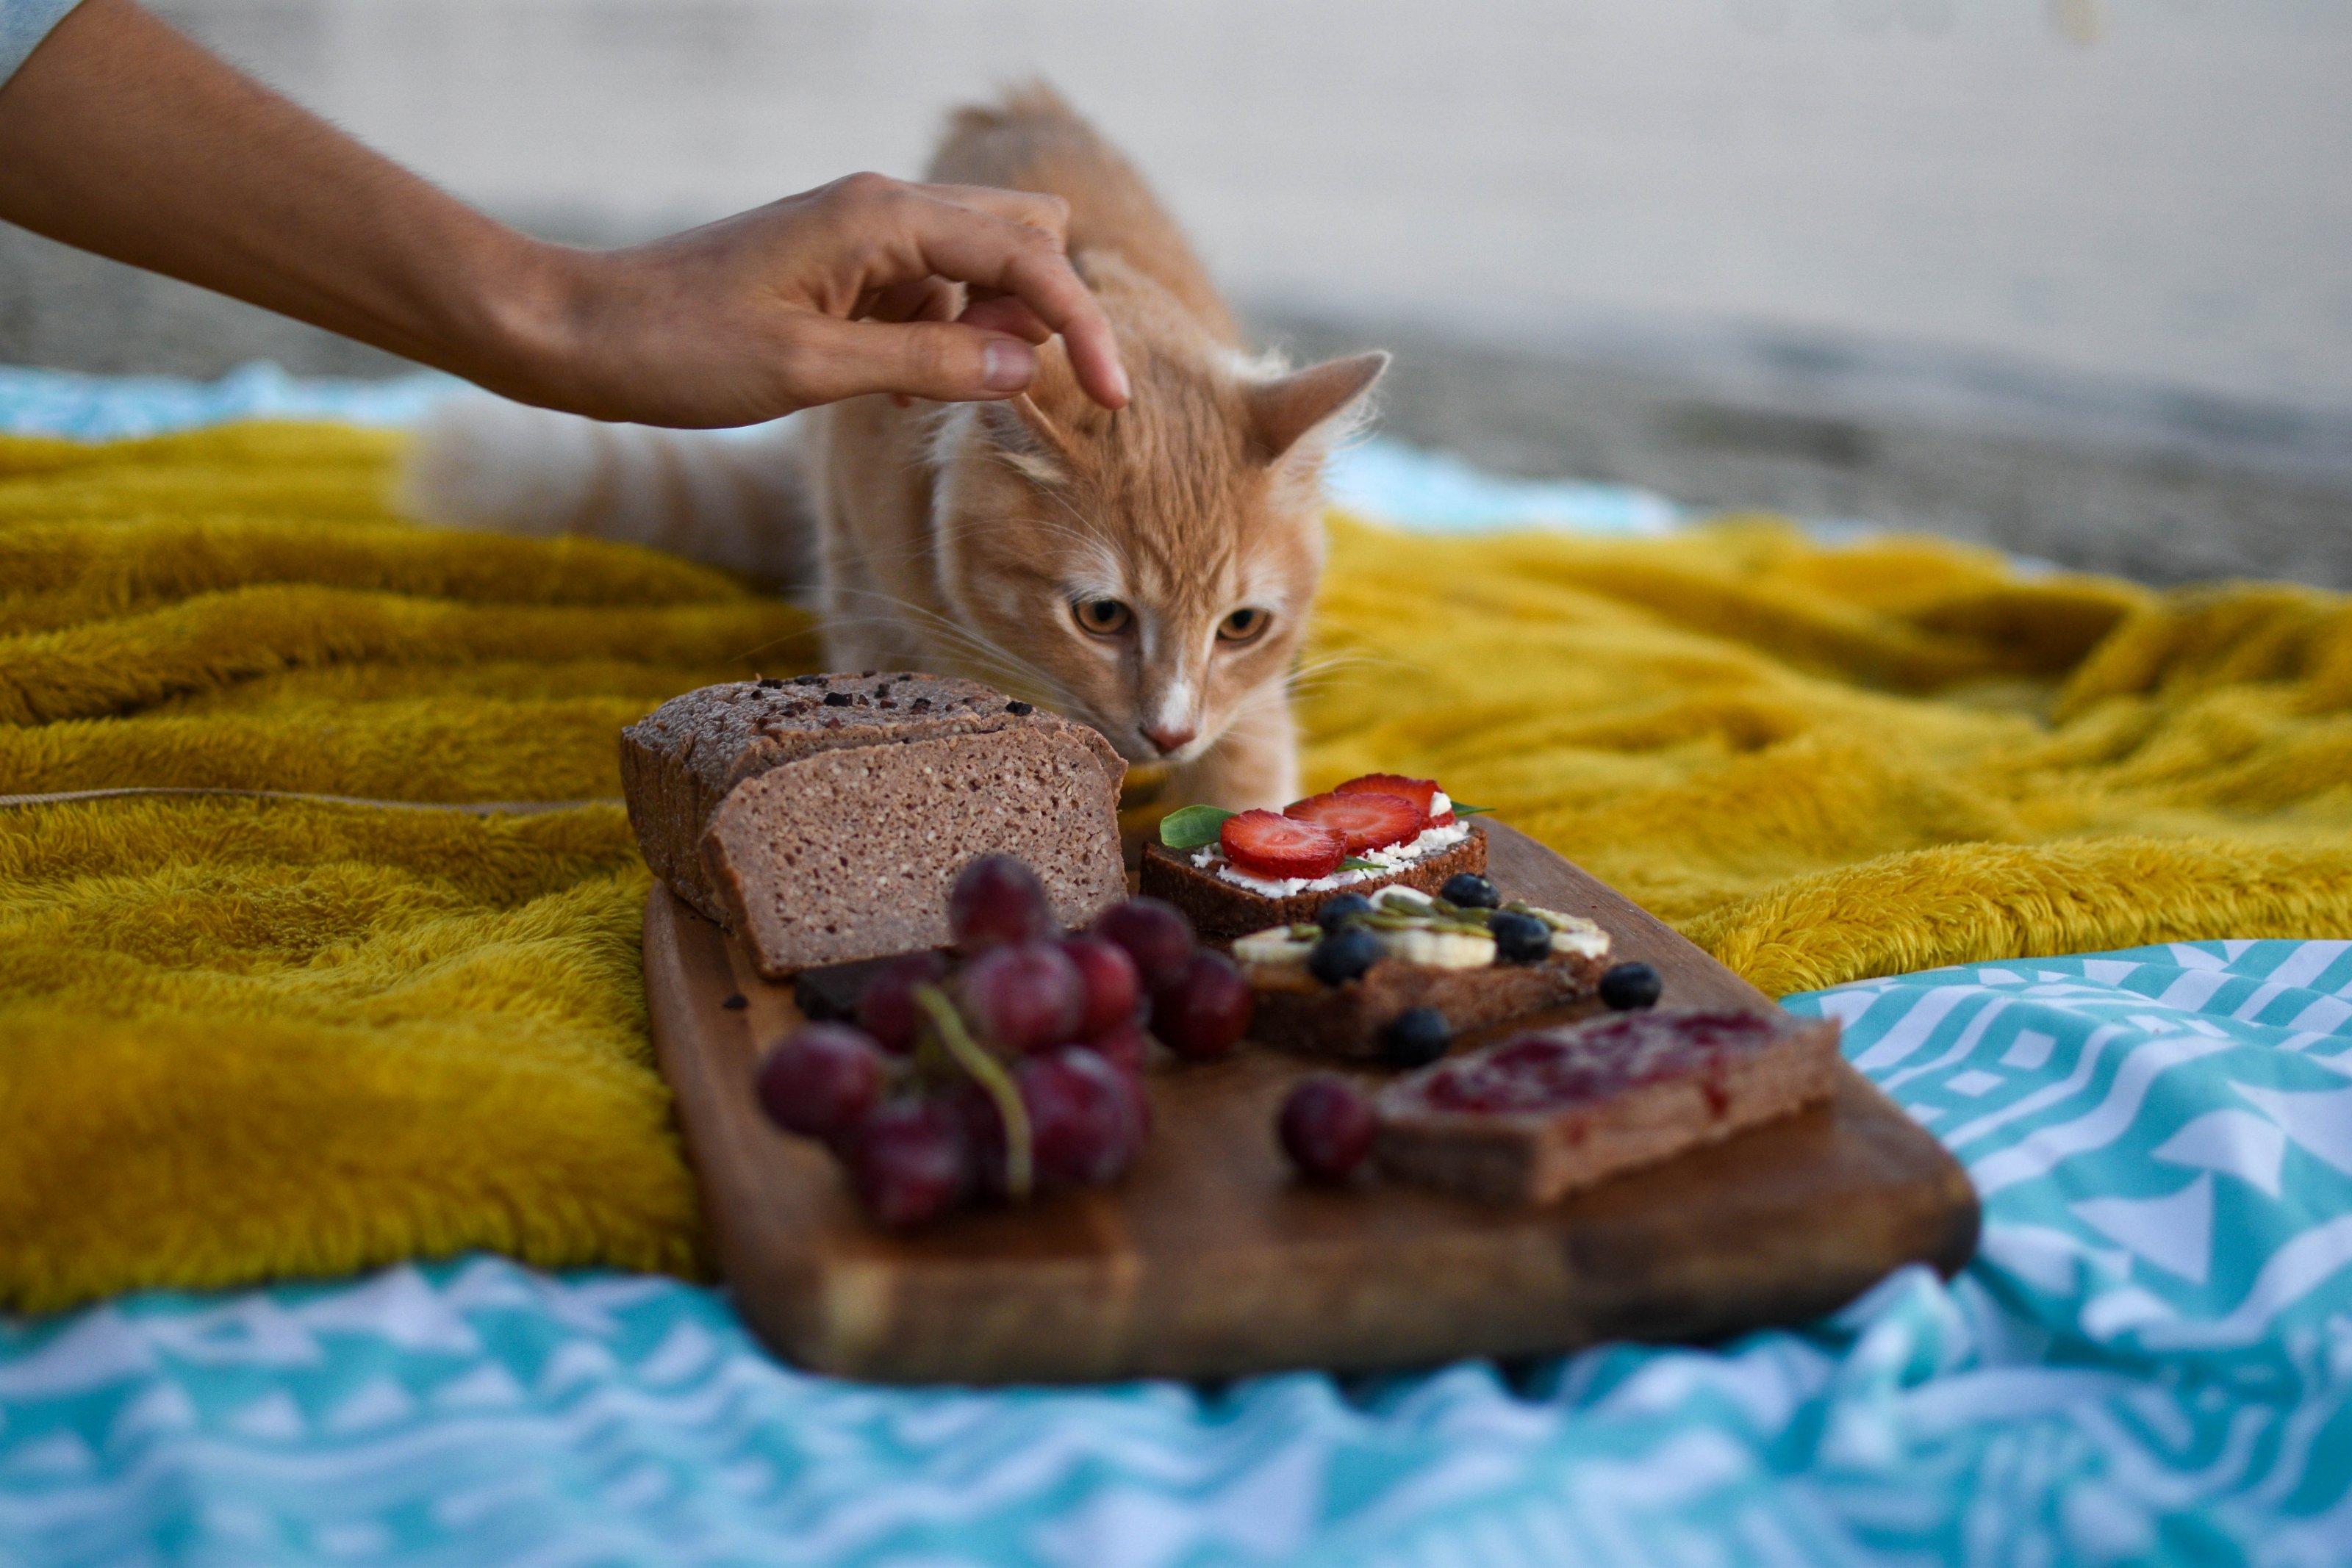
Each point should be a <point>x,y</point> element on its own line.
<point>1238,872</point>
<point>1395,974</point>
<point>1544,1115</point>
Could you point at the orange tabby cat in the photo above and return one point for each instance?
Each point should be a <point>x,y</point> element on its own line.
<point>1148,572</point>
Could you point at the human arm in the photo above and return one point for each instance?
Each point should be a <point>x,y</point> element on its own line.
<point>120,136</point>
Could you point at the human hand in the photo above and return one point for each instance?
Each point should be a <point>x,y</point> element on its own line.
<point>122,137</point>
<point>866,285</point>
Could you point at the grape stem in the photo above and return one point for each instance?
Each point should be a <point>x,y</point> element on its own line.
<point>989,1074</point>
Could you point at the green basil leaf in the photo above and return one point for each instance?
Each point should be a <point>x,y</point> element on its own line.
<point>1461,811</point>
<point>1193,827</point>
<point>1352,864</point>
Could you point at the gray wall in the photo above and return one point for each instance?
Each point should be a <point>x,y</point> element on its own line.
<point>2070,275</point>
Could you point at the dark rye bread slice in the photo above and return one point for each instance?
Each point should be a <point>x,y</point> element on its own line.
<point>1540,1116</point>
<point>1221,911</point>
<point>823,818</point>
<point>1298,1012</point>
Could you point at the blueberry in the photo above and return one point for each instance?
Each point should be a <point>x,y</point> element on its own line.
<point>1415,1038</point>
<point>1343,955</point>
<point>1342,909</point>
<point>1628,987</point>
<point>1468,890</point>
<point>1519,938</point>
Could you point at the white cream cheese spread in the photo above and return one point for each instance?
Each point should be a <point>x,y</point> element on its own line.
<point>1393,858</point>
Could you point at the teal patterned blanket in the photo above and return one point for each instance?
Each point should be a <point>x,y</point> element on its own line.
<point>2151,1360</point>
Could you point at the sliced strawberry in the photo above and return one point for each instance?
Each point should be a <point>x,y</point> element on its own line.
<point>1365,821</point>
<point>1265,844</point>
<point>1422,792</point>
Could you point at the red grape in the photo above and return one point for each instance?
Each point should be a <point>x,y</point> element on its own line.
<point>1205,1013</point>
<point>1113,987</point>
<point>1126,1047</point>
<point>1156,936</point>
<point>908,1161</point>
<point>1024,997</point>
<point>822,1080</point>
<point>1327,1126</point>
<point>1085,1122</point>
<point>983,1124</point>
<point>997,899</point>
<point>885,1007</point>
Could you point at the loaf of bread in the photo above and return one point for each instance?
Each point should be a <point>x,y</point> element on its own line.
<point>823,818</point>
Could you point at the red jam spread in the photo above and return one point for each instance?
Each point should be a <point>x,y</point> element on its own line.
<point>1539,1073</point>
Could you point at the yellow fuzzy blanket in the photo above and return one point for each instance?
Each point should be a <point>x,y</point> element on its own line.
<point>241,1039</point>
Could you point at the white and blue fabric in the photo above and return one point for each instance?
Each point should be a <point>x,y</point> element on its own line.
<point>1423,492</point>
<point>1433,492</point>
<point>68,404</point>
<point>2149,1360</point>
<point>23,24</point>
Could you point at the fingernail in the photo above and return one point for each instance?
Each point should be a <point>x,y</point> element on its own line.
<point>1007,365</point>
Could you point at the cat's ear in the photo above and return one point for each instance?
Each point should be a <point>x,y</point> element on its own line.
<point>1285,410</point>
<point>1028,439</point>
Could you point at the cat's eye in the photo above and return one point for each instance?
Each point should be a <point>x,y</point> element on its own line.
<point>1244,627</point>
<point>1103,617</point>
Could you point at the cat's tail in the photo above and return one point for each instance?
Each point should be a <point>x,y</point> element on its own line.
<point>736,499</point>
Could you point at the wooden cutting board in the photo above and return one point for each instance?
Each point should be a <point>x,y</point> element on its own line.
<point>1209,1260</point>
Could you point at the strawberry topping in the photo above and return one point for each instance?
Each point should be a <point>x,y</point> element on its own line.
<point>1365,821</point>
<point>1265,844</point>
<point>1422,792</point>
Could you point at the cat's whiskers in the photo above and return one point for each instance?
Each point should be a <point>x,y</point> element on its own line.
<point>982,649</point>
<point>970,646</point>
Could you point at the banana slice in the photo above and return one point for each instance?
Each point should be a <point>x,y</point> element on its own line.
<point>1451,948</point>
<point>1589,943</point>
<point>1273,947</point>
<point>1570,933</point>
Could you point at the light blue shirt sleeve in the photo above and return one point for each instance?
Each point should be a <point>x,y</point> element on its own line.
<point>23,24</point>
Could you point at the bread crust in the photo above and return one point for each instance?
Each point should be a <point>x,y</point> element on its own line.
<point>1537,1157</point>
<point>1348,1020</point>
<point>1220,911</point>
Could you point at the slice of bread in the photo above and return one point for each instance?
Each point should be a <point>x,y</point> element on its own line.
<point>1542,1114</point>
<point>823,819</point>
<point>1349,1019</point>
<point>1221,911</point>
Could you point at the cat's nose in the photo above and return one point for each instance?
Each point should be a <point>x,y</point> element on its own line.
<point>1170,737</point>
